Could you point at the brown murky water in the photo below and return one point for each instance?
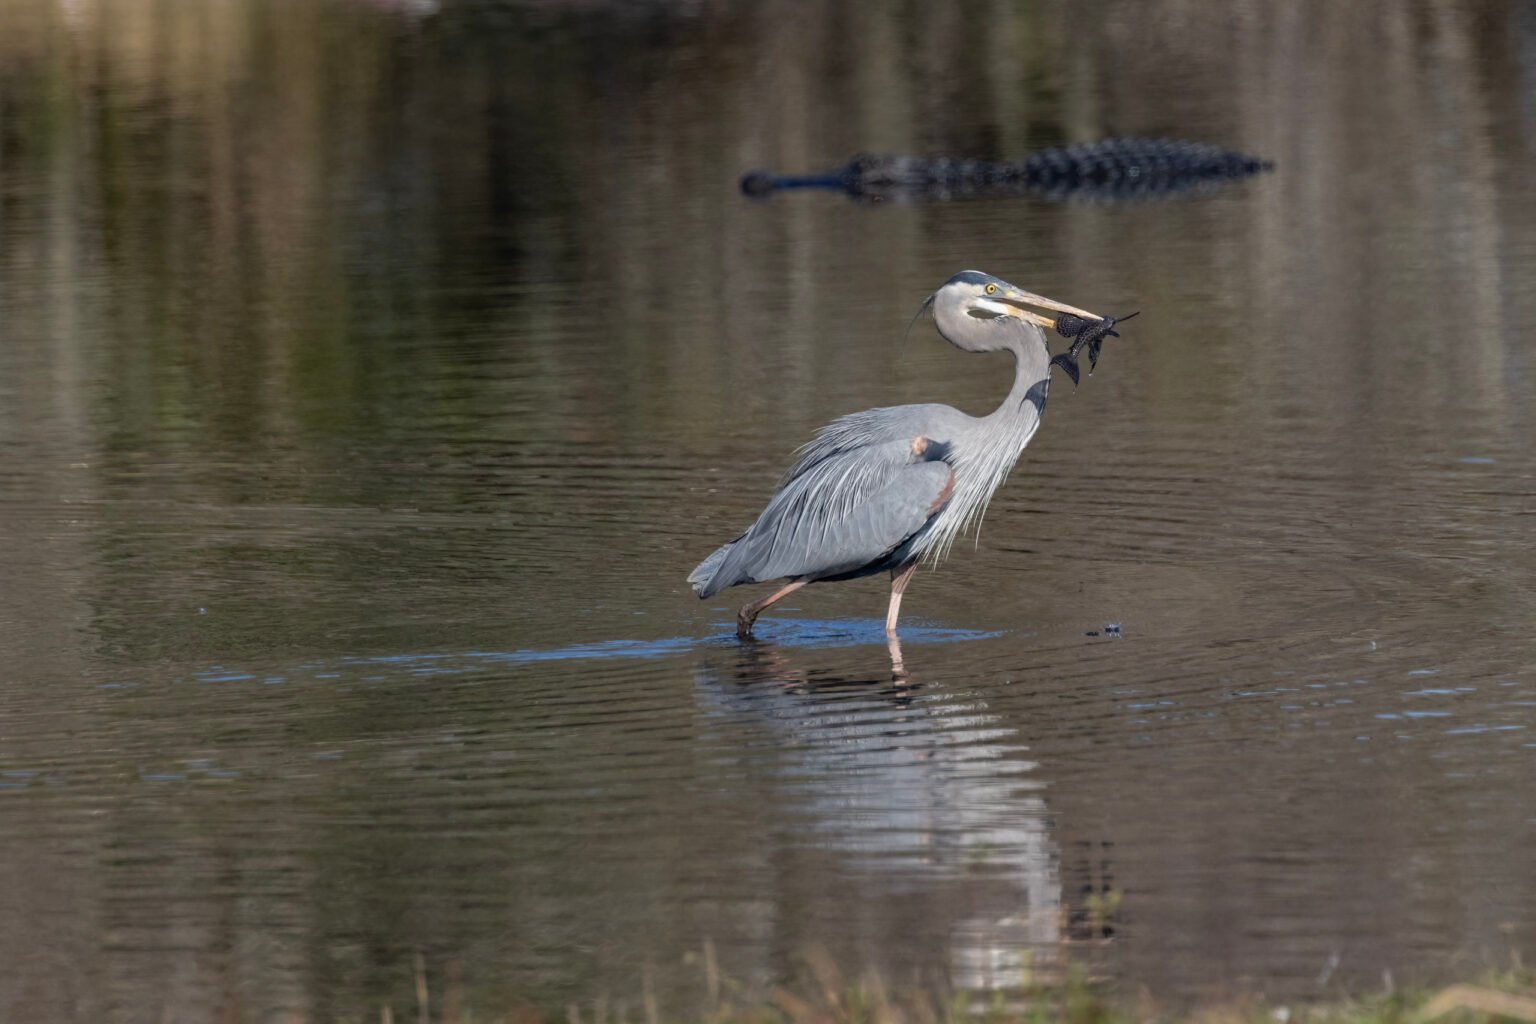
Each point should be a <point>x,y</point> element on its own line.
<point>371,376</point>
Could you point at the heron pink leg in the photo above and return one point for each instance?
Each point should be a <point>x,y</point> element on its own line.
<point>899,580</point>
<point>749,613</point>
<point>898,667</point>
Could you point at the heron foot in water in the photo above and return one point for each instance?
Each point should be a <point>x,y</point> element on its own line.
<point>750,612</point>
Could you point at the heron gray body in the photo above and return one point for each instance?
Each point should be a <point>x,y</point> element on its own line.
<point>883,489</point>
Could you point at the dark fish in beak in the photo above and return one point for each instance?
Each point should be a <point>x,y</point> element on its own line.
<point>1088,334</point>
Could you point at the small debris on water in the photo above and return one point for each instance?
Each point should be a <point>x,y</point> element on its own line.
<point>1091,632</point>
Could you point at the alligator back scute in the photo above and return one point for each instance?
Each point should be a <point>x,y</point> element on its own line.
<point>1110,169</point>
<point>1125,168</point>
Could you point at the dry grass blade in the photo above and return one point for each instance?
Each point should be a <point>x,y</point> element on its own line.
<point>423,1008</point>
<point>1479,1000</point>
<point>648,996</point>
<point>711,973</point>
<point>795,1008</point>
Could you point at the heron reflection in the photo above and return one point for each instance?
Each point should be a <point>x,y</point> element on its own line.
<point>923,798</point>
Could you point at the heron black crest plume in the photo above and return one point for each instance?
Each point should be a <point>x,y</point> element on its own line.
<point>924,308</point>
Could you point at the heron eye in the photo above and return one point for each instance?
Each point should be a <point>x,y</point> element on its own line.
<point>991,289</point>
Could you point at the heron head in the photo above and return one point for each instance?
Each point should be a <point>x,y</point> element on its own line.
<point>975,311</point>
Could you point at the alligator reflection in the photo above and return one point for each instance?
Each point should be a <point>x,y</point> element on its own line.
<point>926,798</point>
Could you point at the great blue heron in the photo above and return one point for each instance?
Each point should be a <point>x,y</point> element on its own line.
<point>886,488</point>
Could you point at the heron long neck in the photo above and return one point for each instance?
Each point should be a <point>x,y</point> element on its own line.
<point>993,444</point>
<point>1003,435</point>
<point>1031,381</point>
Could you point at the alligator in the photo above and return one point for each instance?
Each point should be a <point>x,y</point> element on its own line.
<point>1110,169</point>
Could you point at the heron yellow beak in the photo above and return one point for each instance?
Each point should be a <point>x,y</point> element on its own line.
<point>1019,298</point>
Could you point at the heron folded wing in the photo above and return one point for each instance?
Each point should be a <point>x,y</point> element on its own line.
<point>848,510</point>
<point>872,428</point>
<point>891,517</point>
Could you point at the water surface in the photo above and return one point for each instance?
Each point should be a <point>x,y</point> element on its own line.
<point>371,376</point>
